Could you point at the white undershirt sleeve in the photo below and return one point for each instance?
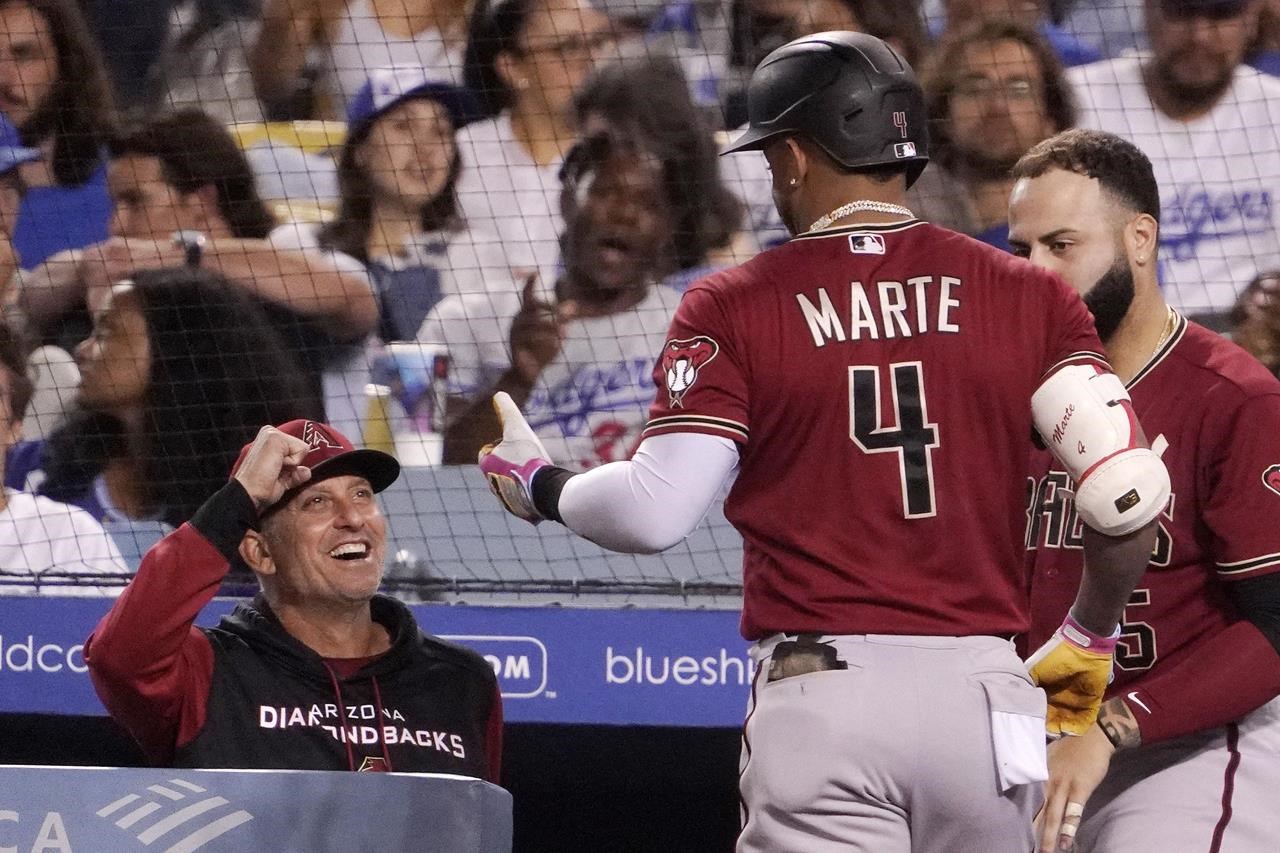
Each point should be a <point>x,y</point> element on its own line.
<point>654,500</point>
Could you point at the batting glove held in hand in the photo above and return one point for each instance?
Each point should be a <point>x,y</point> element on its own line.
<point>1074,668</point>
<point>510,464</point>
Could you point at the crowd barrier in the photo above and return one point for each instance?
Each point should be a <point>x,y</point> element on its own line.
<point>120,810</point>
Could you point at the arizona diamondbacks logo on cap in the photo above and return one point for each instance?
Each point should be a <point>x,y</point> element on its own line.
<point>314,435</point>
<point>681,362</point>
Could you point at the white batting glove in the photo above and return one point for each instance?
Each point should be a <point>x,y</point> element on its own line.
<point>510,464</point>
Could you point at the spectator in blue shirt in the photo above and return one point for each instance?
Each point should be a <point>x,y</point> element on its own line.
<point>398,218</point>
<point>54,89</point>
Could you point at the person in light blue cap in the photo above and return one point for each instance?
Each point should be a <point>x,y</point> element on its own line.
<point>398,221</point>
<point>398,218</point>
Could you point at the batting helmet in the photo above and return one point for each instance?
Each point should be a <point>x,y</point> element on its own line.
<point>850,93</point>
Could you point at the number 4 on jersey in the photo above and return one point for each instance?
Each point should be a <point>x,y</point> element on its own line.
<point>911,436</point>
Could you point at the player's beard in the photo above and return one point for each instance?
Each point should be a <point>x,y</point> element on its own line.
<point>1110,298</point>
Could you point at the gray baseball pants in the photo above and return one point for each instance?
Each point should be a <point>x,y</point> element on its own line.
<point>915,745</point>
<point>1216,791</point>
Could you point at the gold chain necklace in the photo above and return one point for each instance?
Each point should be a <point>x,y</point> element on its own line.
<point>856,206</point>
<point>1169,325</point>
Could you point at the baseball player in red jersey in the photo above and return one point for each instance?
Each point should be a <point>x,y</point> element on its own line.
<point>1186,753</point>
<point>874,384</point>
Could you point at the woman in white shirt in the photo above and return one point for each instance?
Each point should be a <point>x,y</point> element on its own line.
<point>526,58</point>
<point>398,219</point>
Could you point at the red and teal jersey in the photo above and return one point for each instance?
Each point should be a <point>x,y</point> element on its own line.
<point>877,380</point>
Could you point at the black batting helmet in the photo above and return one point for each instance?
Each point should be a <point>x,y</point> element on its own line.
<point>849,93</point>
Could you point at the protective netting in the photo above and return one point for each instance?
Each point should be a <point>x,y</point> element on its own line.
<point>378,212</point>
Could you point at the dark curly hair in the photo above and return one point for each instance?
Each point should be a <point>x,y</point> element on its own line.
<point>219,372</point>
<point>646,103</point>
<point>1121,168</point>
<point>941,75</point>
<point>195,151</point>
<point>78,112</point>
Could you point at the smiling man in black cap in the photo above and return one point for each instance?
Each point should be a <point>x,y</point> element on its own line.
<point>318,672</point>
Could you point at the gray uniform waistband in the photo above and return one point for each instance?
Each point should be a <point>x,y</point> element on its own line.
<point>761,649</point>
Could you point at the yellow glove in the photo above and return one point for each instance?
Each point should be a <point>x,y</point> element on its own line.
<point>1074,668</point>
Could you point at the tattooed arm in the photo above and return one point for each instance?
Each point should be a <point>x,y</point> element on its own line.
<point>1119,725</point>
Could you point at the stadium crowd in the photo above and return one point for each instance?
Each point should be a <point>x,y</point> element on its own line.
<point>379,212</point>
<point>360,220</point>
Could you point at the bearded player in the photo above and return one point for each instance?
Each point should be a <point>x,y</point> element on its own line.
<point>1186,752</point>
<point>862,383</point>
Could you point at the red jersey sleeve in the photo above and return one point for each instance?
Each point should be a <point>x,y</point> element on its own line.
<point>1243,488</point>
<point>1227,677</point>
<point>1072,335</point>
<point>700,374</point>
<point>151,667</point>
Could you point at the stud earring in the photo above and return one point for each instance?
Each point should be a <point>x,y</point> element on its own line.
<point>793,182</point>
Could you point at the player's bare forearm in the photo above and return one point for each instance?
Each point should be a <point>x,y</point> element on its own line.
<point>1119,725</point>
<point>1113,565</point>
<point>473,424</point>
